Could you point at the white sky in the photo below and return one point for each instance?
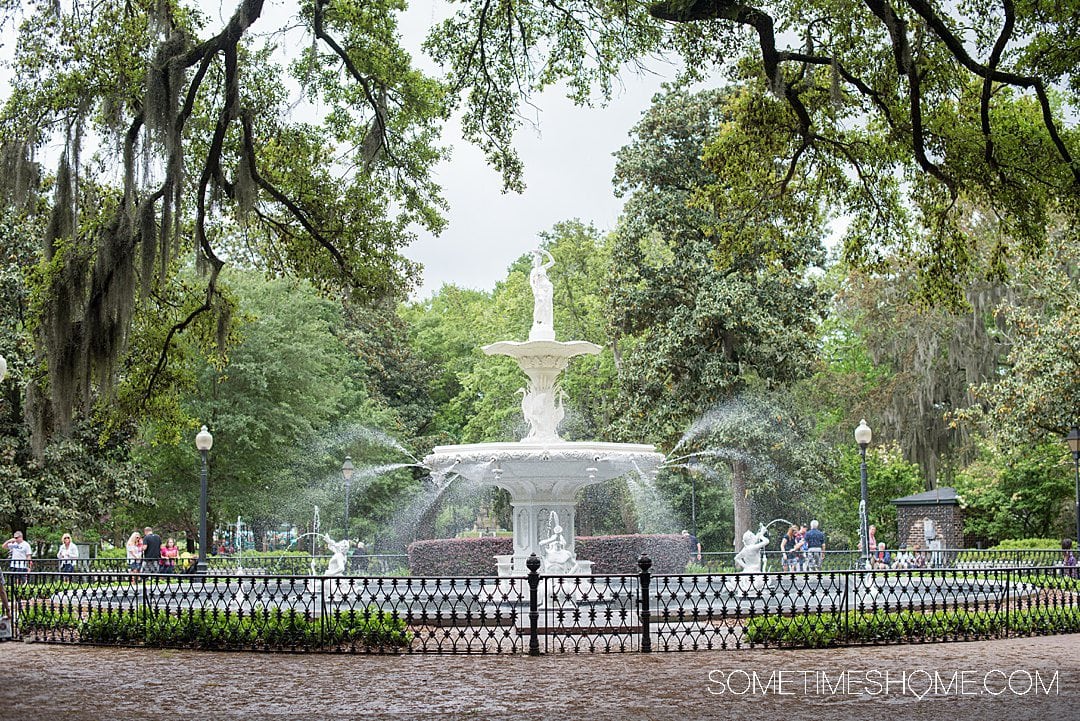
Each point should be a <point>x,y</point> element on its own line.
<point>568,169</point>
<point>568,163</point>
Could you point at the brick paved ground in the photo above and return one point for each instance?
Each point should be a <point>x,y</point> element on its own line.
<point>65,683</point>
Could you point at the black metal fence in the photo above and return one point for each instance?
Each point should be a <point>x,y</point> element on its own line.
<point>545,614</point>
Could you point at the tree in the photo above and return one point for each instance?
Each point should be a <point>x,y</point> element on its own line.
<point>909,109</point>
<point>904,365</point>
<point>889,476</point>
<point>1018,492</point>
<point>706,290</point>
<point>290,402</point>
<point>211,166</point>
<point>1038,393</point>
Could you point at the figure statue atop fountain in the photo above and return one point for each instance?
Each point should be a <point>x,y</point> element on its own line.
<point>543,327</point>
<point>749,559</point>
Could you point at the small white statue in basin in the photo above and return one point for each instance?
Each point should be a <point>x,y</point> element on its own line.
<point>750,563</point>
<point>749,559</point>
<point>558,561</point>
<point>339,551</point>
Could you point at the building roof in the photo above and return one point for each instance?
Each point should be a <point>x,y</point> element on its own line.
<point>943,496</point>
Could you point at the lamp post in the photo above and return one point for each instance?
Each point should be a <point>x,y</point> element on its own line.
<point>1073,439</point>
<point>347,471</point>
<point>862,437</point>
<point>693,504</point>
<point>204,442</point>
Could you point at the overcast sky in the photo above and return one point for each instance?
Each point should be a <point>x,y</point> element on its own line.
<point>568,169</point>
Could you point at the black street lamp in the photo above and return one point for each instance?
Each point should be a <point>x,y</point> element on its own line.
<point>204,442</point>
<point>693,505</point>
<point>1073,439</point>
<point>862,437</point>
<point>347,471</point>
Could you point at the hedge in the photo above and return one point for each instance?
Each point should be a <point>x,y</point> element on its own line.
<point>840,629</point>
<point>609,554</point>
<point>223,630</point>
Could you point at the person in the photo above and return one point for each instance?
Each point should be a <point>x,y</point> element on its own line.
<point>1068,558</point>
<point>693,546</point>
<point>882,559</point>
<point>358,560</point>
<point>21,558</point>
<point>815,546</point>
<point>919,559</point>
<point>134,554</point>
<point>905,559</point>
<point>151,550</point>
<point>5,612</point>
<point>800,548</point>
<point>67,555</point>
<point>188,562</point>
<point>169,554</point>
<point>787,549</point>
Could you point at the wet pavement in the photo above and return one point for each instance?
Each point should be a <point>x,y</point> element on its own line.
<point>1017,680</point>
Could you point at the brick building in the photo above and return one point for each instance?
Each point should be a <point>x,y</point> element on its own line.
<point>941,506</point>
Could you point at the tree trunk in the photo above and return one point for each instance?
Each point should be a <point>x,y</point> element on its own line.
<point>741,501</point>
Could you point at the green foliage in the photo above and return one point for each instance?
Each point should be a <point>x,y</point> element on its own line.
<point>888,476</point>
<point>286,403</point>
<point>1017,493</point>
<point>841,629</point>
<point>1036,395</point>
<point>1015,544</point>
<point>704,294</point>
<point>223,630</point>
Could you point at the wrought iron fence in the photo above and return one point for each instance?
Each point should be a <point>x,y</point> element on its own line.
<point>545,614</point>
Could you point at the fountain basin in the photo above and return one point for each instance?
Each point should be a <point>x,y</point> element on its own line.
<point>544,470</point>
<point>543,480</point>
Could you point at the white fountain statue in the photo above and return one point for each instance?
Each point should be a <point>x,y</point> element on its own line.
<point>557,560</point>
<point>750,562</point>
<point>338,555</point>
<point>543,473</point>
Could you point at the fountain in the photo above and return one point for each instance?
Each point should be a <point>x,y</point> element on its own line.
<point>542,472</point>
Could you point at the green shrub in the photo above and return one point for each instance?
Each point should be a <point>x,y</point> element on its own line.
<point>839,629</point>
<point>216,629</point>
<point>1023,544</point>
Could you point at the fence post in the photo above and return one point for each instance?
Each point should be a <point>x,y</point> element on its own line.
<point>644,615</point>
<point>1008,603</point>
<point>533,564</point>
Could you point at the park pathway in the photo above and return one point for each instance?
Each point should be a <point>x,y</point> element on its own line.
<point>1014,680</point>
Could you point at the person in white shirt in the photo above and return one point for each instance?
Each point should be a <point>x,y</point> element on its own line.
<point>20,558</point>
<point>67,556</point>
